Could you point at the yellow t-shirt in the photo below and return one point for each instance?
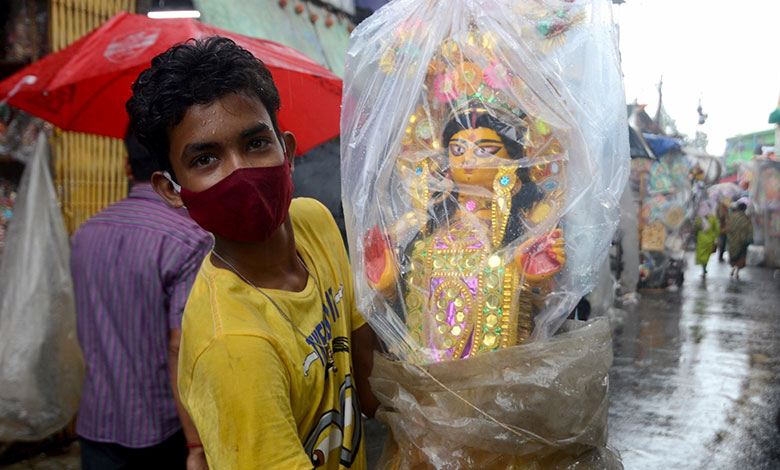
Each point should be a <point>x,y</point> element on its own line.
<point>256,389</point>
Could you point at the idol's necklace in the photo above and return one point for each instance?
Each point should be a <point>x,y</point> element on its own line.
<point>326,346</point>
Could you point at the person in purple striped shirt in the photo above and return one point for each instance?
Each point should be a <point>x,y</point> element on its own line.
<point>133,266</point>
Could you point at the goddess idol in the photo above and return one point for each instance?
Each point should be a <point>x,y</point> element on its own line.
<point>471,261</point>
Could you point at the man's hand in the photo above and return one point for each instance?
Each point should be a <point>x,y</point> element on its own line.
<point>196,459</point>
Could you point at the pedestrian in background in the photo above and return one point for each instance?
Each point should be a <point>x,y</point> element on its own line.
<point>723,216</point>
<point>133,265</point>
<point>739,235</point>
<point>707,231</point>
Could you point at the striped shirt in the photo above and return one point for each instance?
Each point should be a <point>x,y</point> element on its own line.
<point>133,265</point>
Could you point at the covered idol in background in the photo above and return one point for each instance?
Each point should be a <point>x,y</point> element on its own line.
<point>483,154</point>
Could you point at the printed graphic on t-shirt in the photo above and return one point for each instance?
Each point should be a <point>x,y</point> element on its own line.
<point>322,333</point>
<point>340,428</point>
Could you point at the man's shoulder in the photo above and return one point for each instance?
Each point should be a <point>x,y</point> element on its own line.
<point>133,216</point>
<point>312,220</point>
<point>219,314</point>
<point>219,304</point>
<point>306,208</point>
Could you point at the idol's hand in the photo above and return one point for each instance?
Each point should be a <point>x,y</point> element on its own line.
<point>541,258</point>
<point>378,260</point>
<point>407,225</point>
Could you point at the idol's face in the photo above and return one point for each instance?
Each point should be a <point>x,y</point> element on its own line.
<point>475,155</point>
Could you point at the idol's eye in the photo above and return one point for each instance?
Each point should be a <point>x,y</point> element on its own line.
<point>487,150</point>
<point>456,149</point>
<point>203,160</point>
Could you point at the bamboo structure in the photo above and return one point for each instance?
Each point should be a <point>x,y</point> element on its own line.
<point>89,169</point>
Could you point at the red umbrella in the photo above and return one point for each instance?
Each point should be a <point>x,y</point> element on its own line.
<point>84,87</point>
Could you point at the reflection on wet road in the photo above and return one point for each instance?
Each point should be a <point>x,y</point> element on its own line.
<point>696,378</point>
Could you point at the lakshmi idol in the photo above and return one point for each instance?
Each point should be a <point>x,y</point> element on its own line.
<point>471,263</point>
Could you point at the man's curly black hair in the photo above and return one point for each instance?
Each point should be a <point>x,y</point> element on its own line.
<point>195,72</point>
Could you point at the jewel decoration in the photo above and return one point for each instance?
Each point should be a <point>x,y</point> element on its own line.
<point>471,76</point>
<point>497,76</point>
<point>445,87</point>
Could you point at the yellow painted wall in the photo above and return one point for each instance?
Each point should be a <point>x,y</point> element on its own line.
<point>89,170</point>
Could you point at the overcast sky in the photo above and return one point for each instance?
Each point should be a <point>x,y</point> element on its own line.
<point>725,52</point>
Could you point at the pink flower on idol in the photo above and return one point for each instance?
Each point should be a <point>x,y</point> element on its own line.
<point>445,87</point>
<point>497,76</point>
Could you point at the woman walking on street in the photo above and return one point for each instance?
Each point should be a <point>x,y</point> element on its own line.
<point>738,236</point>
<point>723,217</point>
<point>707,231</point>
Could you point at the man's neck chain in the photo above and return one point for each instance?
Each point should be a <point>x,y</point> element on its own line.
<point>331,363</point>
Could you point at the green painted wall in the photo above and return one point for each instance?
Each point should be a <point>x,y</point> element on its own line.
<point>267,19</point>
<point>740,148</point>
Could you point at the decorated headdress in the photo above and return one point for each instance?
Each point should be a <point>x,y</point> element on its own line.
<point>467,76</point>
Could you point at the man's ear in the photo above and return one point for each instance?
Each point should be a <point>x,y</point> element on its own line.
<point>129,171</point>
<point>164,187</point>
<point>289,148</point>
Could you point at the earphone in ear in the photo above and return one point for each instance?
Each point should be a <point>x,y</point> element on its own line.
<point>176,186</point>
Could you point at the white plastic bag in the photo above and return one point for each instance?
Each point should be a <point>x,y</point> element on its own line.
<point>755,255</point>
<point>41,366</point>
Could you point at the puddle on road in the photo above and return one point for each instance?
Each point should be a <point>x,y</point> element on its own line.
<point>685,381</point>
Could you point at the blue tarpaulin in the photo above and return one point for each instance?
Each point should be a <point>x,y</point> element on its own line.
<point>370,4</point>
<point>660,144</point>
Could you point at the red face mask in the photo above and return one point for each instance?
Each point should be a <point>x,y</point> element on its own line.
<point>248,205</point>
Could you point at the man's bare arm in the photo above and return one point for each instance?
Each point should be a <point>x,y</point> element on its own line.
<point>364,343</point>
<point>196,459</point>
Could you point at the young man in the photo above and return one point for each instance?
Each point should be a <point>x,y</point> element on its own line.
<point>273,353</point>
<point>133,265</point>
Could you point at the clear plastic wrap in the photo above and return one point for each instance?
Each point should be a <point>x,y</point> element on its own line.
<point>536,406</point>
<point>41,367</point>
<point>484,150</point>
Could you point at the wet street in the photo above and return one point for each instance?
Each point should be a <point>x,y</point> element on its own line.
<point>695,382</point>
<point>696,377</point>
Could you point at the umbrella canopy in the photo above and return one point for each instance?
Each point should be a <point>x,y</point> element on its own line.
<point>85,86</point>
<point>729,179</point>
<point>719,192</point>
